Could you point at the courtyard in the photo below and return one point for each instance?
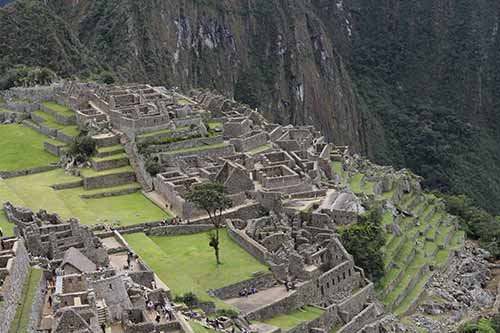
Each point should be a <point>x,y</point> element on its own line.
<point>187,264</point>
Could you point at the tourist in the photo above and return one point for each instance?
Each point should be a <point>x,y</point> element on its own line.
<point>149,305</point>
<point>50,301</point>
<point>128,262</point>
<point>253,290</point>
<point>103,327</point>
<point>1,235</point>
<point>158,317</point>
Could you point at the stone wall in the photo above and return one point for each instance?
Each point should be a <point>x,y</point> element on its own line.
<point>37,308</point>
<point>185,144</point>
<point>20,173</point>
<point>251,142</point>
<point>251,246</point>
<point>364,317</point>
<point>110,164</point>
<point>260,282</point>
<point>210,151</point>
<point>64,120</point>
<point>13,285</point>
<point>173,230</point>
<point>109,180</point>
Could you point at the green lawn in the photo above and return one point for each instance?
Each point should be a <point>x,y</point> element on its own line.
<point>34,191</point>
<point>6,226</point>
<point>22,148</point>
<point>110,158</point>
<point>260,149</point>
<point>87,173</point>
<point>22,318</point>
<point>61,109</point>
<point>198,328</point>
<point>199,148</point>
<point>299,316</point>
<point>187,264</point>
<point>111,149</point>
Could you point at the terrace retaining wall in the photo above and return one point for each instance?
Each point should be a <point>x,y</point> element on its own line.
<point>20,173</point>
<point>109,180</point>
<point>173,230</point>
<point>13,286</point>
<point>260,282</point>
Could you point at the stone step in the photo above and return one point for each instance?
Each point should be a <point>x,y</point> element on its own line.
<point>109,151</point>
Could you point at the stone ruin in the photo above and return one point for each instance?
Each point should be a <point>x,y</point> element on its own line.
<point>315,262</point>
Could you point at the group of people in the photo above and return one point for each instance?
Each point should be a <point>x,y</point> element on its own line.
<point>160,309</point>
<point>289,285</point>
<point>247,292</point>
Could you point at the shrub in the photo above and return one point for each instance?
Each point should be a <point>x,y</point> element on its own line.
<point>82,148</point>
<point>227,313</point>
<point>153,166</point>
<point>190,299</point>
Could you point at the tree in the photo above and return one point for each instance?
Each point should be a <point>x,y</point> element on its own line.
<point>83,148</point>
<point>364,241</point>
<point>211,198</point>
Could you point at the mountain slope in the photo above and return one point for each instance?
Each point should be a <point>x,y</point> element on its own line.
<point>408,83</point>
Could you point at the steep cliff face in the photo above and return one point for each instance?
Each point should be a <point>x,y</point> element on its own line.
<point>275,55</point>
<point>410,83</point>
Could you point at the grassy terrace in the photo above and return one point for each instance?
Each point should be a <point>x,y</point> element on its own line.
<point>199,148</point>
<point>21,320</point>
<point>109,158</point>
<point>61,109</point>
<point>260,149</point>
<point>17,138</point>
<point>427,225</point>
<point>34,191</point>
<point>186,263</point>
<point>297,317</point>
<point>49,121</point>
<point>161,132</point>
<point>6,226</point>
<point>111,149</point>
<point>88,173</point>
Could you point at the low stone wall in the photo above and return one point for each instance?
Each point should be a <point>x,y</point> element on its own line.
<point>210,151</point>
<point>107,141</point>
<point>251,246</point>
<point>173,230</point>
<point>248,212</point>
<point>364,317</point>
<point>54,149</point>
<point>109,180</point>
<point>110,164</point>
<point>64,138</point>
<point>109,194</point>
<point>37,307</point>
<point>20,173</point>
<point>252,142</point>
<point>12,116</point>
<point>66,186</point>
<point>64,120</point>
<point>13,286</point>
<point>261,282</point>
<point>185,144</point>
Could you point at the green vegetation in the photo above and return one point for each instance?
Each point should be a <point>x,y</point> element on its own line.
<point>25,76</point>
<point>88,173</point>
<point>21,319</point>
<point>60,109</point>
<point>260,149</point>
<point>477,223</point>
<point>110,157</point>
<point>212,199</point>
<point>198,328</point>
<point>297,317</point>
<point>482,326</point>
<point>364,241</point>
<point>34,192</point>
<point>19,138</point>
<point>82,148</point>
<point>199,148</point>
<point>6,227</point>
<point>185,265</point>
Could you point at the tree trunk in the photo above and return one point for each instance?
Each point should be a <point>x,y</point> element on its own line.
<point>216,248</point>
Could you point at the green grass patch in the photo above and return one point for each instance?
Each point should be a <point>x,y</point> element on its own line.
<point>260,149</point>
<point>199,148</point>
<point>161,132</point>
<point>110,158</point>
<point>34,192</point>
<point>415,292</point>
<point>111,149</point>
<point>22,148</point>
<point>71,130</point>
<point>355,183</point>
<point>6,226</point>
<point>294,318</point>
<point>187,264</point>
<point>198,328</point>
<point>56,142</point>
<point>88,173</point>
<point>60,109</point>
<point>21,319</point>
<point>215,124</point>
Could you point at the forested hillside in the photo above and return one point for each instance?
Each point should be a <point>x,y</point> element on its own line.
<point>408,83</point>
